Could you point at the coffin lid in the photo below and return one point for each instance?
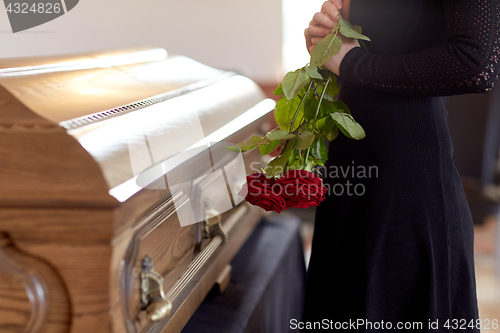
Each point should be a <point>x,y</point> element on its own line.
<point>73,128</point>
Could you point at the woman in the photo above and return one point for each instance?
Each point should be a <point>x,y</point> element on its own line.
<point>400,248</point>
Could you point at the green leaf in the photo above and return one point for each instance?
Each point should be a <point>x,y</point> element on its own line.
<point>234,149</point>
<point>293,82</point>
<point>277,166</point>
<point>313,73</point>
<point>278,91</point>
<point>266,149</point>
<point>325,125</point>
<point>279,135</point>
<point>363,45</point>
<point>333,134</point>
<point>310,108</point>
<point>284,111</point>
<point>253,143</point>
<point>348,125</point>
<point>327,108</point>
<point>310,165</point>
<point>293,156</point>
<point>341,106</point>
<point>328,98</point>
<point>323,150</point>
<point>356,28</point>
<point>295,165</point>
<point>303,128</point>
<point>333,89</point>
<point>350,31</point>
<point>315,148</point>
<point>304,140</point>
<point>325,49</point>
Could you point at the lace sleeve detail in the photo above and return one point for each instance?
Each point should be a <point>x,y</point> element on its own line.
<point>466,63</point>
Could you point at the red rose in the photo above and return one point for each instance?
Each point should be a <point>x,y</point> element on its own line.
<point>301,189</point>
<point>263,192</point>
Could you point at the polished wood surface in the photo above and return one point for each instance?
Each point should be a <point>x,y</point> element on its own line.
<point>71,248</point>
<point>201,286</point>
<point>45,308</point>
<point>170,248</point>
<point>94,84</point>
<point>76,245</point>
<point>224,278</point>
<point>37,161</point>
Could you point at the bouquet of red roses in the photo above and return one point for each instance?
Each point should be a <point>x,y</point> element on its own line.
<point>307,115</point>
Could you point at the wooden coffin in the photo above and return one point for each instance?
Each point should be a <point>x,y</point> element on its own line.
<point>119,206</point>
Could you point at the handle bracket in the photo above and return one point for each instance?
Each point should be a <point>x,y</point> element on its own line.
<point>213,224</point>
<point>153,298</point>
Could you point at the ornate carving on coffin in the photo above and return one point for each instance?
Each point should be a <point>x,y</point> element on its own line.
<point>31,292</point>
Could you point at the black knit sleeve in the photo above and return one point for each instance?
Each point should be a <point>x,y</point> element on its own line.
<point>466,63</point>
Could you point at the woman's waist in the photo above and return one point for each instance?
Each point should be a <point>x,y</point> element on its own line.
<point>357,93</point>
<point>382,110</point>
<point>393,123</point>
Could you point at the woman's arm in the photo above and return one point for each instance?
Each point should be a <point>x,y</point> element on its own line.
<point>466,63</point>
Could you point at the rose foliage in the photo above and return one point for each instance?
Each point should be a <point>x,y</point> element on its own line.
<point>308,115</point>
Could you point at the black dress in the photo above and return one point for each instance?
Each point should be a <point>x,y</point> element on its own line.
<point>393,241</point>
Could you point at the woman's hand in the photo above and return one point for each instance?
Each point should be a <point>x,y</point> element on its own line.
<point>321,25</point>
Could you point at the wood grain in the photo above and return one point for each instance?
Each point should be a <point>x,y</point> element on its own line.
<point>170,248</point>
<point>61,229</point>
<point>76,245</point>
<point>199,288</point>
<point>224,278</point>
<point>32,294</point>
<point>38,162</point>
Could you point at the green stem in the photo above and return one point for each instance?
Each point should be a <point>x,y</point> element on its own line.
<point>307,156</point>
<point>315,117</point>
<point>300,105</point>
<point>315,90</point>
<point>319,104</point>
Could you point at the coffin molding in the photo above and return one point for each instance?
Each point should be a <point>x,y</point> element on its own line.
<point>32,291</point>
<point>77,135</point>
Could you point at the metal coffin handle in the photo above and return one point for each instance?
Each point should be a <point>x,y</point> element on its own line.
<point>157,304</point>
<point>153,298</point>
<point>213,224</point>
<point>210,227</point>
